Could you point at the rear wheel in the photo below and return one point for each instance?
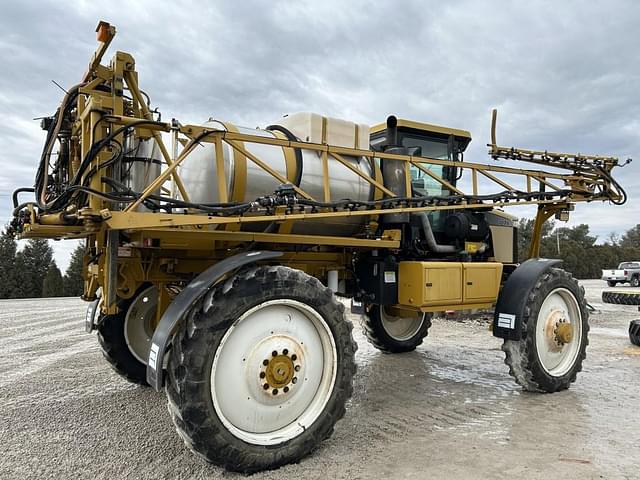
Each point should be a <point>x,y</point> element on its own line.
<point>611,283</point>
<point>261,370</point>
<point>635,281</point>
<point>125,337</point>
<point>393,331</point>
<point>554,338</point>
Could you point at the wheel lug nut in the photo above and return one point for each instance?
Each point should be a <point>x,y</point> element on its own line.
<point>285,351</point>
<point>286,389</point>
<point>262,374</point>
<point>294,357</point>
<point>266,386</point>
<point>265,362</point>
<point>294,380</point>
<point>275,391</point>
<point>297,368</point>
<point>274,353</point>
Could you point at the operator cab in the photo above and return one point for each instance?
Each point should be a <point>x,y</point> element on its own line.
<point>433,141</point>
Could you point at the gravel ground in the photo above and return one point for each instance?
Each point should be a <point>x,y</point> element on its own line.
<point>448,410</point>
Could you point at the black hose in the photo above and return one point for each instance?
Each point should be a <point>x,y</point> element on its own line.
<point>272,227</point>
<point>298,152</point>
<point>58,202</point>
<point>18,191</point>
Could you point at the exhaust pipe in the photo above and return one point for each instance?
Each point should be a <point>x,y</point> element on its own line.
<point>394,172</point>
<point>392,131</point>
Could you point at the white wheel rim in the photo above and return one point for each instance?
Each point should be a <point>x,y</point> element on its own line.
<point>401,328</point>
<point>138,323</point>
<point>293,330</point>
<point>558,357</point>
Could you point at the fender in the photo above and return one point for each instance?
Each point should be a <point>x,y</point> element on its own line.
<point>507,317</point>
<point>190,294</point>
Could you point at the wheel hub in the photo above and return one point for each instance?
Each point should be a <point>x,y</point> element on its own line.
<point>556,341</point>
<point>273,367</point>
<point>279,371</point>
<point>564,333</point>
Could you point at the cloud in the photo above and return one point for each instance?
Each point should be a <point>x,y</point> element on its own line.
<point>564,75</point>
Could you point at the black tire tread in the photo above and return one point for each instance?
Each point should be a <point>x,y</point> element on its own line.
<point>116,351</point>
<point>204,434</point>
<point>621,298</point>
<point>521,355</point>
<point>634,332</point>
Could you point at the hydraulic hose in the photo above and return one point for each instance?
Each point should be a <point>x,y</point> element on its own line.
<point>273,226</point>
<point>17,191</point>
<point>298,153</point>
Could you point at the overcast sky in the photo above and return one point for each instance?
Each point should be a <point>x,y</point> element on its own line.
<point>564,75</point>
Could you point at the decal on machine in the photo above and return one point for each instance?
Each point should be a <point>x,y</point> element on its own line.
<point>507,320</point>
<point>153,355</point>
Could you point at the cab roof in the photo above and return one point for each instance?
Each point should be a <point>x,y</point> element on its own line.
<point>423,127</point>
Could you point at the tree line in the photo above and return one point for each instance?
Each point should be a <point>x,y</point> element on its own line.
<point>33,273</point>
<point>577,248</point>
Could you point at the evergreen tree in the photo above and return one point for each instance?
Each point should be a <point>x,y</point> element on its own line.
<point>8,278</point>
<point>52,285</point>
<point>631,239</point>
<point>73,281</point>
<point>20,276</point>
<point>578,250</point>
<point>32,264</point>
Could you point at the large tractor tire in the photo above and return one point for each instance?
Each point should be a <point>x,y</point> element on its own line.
<point>261,369</point>
<point>391,333</point>
<point>125,337</point>
<point>621,298</point>
<point>554,341</point>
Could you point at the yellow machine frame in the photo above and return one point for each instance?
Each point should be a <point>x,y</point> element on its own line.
<point>177,245</point>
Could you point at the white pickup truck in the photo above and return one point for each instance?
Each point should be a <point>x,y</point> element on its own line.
<point>627,272</point>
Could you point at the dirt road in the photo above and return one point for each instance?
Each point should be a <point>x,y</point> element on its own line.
<point>449,410</point>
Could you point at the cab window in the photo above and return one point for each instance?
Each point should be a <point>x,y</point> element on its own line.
<point>422,183</point>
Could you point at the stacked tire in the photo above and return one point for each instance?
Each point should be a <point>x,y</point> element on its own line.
<point>621,298</point>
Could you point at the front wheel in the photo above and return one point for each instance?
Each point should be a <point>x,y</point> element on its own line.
<point>554,338</point>
<point>635,281</point>
<point>261,370</point>
<point>611,283</point>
